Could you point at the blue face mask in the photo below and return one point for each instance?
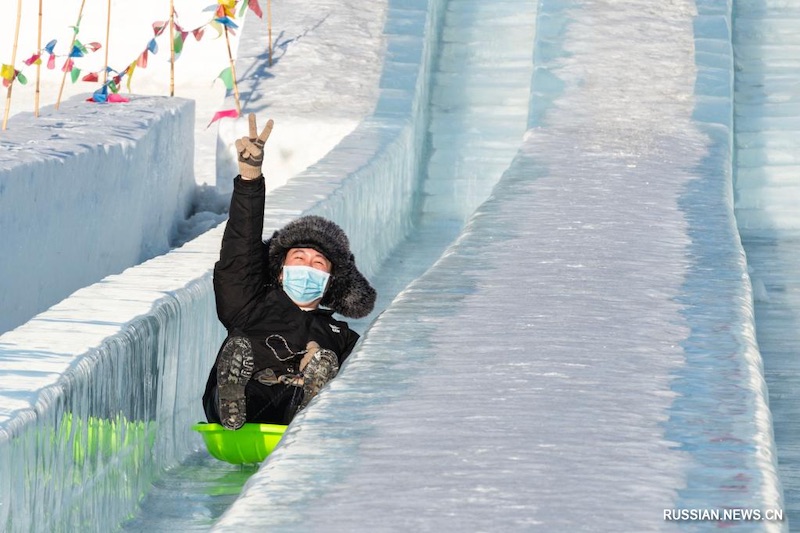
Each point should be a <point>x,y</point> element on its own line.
<point>304,284</point>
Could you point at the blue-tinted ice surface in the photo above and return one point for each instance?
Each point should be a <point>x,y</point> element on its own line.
<point>767,188</point>
<point>583,356</point>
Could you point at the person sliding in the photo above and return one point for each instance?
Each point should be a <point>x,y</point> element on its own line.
<point>276,300</point>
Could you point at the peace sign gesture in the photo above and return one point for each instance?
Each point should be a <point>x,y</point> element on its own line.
<point>251,149</point>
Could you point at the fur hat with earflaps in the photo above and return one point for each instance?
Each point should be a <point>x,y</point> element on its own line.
<point>349,293</point>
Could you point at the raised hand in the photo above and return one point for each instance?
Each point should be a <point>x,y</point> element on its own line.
<point>251,149</point>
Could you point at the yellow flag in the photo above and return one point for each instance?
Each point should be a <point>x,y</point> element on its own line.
<point>7,72</point>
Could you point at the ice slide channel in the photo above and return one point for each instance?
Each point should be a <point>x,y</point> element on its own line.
<point>767,192</point>
<point>480,91</point>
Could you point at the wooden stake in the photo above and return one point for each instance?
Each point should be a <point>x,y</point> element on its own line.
<point>172,47</point>
<point>38,64</point>
<point>269,29</point>
<point>69,52</point>
<point>233,72</point>
<point>108,37</point>
<point>13,64</point>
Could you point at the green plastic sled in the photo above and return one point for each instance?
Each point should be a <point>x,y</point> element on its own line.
<point>251,443</point>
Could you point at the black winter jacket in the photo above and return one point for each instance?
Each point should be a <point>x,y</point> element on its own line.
<point>249,304</point>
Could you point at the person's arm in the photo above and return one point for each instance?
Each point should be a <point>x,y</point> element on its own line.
<point>240,273</point>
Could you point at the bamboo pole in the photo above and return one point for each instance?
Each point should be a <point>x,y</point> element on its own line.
<point>13,65</point>
<point>69,53</point>
<point>172,47</point>
<point>269,29</point>
<point>38,64</point>
<point>233,72</point>
<point>108,38</point>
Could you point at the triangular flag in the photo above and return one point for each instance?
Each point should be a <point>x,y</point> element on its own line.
<point>77,50</point>
<point>198,33</point>
<point>117,99</point>
<point>67,66</point>
<point>100,95</point>
<point>91,77</point>
<point>74,73</point>
<point>153,46</point>
<point>226,7</point>
<point>51,62</point>
<point>158,27</point>
<point>142,61</point>
<point>229,113</point>
<point>35,58</point>
<point>130,70</point>
<point>94,46</point>
<point>50,46</point>
<point>7,72</point>
<point>227,78</point>
<point>217,26</point>
<point>178,43</point>
<point>227,22</point>
<point>255,8</point>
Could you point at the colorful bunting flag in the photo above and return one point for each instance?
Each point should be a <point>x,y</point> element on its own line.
<point>198,33</point>
<point>226,8</point>
<point>228,113</point>
<point>91,77</point>
<point>74,74</point>
<point>158,27</point>
<point>178,43</point>
<point>255,8</point>
<point>67,66</point>
<point>34,59</point>
<point>227,22</point>
<point>21,78</point>
<point>49,47</point>
<point>7,72</point>
<point>129,72</point>
<point>100,95</point>
<point>227,78</point>
<point>51,62</point>
<point>77,50</point>
<point>153,46</point>
<point>142,61</point>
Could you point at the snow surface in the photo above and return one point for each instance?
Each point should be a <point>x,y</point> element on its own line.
<point>583,357</point>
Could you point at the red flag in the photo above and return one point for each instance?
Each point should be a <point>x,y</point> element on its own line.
<point>228,113</point>
<point>198,33</point>
<point>92,76</point>
<point>142,61</point>
<point>255,8</point>
<point>51,62</point>
<point>116,98</point>
<point>33,59</point>
<point>67,66</point>
<point>158,27</point>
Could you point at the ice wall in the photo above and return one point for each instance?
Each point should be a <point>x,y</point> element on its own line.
<point>98,393</point>
<point>766,194</point>
<point>88,191</point>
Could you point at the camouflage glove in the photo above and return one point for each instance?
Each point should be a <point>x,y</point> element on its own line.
<point>311,348</point>
<point>251,149</point>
